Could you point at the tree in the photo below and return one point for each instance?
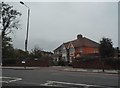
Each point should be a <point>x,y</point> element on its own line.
<point>36,52</point>
<point>106,49</point>
<point>20,54</point>
<point>7,48</point>
<point>9,20</point>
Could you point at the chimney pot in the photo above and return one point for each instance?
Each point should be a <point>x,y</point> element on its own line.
<point>79,36</point>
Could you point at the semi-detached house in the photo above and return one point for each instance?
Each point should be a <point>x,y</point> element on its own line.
<point>76,48</point>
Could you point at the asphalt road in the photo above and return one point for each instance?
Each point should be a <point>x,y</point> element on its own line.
<point>36,77</point>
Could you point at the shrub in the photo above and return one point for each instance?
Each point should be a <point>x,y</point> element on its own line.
<point>86,58</point>
<point>61,63</point>
<point>9,61</point>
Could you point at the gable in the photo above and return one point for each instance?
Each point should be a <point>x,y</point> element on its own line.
<point>70,45</point>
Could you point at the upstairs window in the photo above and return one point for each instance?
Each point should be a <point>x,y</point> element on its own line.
<point>72,49</point>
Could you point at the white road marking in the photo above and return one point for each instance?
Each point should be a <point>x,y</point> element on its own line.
<point>55,83</point>
<point>4,82</point>
<point>70,83</point>
<point>9,79</point>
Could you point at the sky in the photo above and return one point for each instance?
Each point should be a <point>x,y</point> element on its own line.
<point>53,23</point>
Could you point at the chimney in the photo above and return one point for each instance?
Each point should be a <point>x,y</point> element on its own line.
<point>79,36</point>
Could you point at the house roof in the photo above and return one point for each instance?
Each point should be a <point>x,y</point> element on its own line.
<point>66,44</point>
<point>58,48</point>
<point>90,43</point>
<point>81,42</point>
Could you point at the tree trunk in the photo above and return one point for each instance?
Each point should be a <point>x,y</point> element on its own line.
<point>3,34</point>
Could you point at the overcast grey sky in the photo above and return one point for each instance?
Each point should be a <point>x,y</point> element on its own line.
<point>52,23</point>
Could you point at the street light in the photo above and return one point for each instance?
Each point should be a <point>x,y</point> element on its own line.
<point>26,40</point>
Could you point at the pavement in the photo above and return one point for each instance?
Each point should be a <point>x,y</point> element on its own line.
<point>64,68</point>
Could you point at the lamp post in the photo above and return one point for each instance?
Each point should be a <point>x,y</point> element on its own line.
<point>26,40</point>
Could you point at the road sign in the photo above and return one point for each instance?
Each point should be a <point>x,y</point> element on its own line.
<point>23,62</point>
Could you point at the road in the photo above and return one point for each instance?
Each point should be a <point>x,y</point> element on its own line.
<point>36,77</point>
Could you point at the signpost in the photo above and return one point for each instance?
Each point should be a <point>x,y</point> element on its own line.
<point>23,62</point>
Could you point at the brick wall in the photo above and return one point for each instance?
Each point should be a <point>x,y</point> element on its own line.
<point>86,50</point>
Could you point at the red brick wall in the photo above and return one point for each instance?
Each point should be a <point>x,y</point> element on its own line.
<point>85,50</point>
<point>88,50</point>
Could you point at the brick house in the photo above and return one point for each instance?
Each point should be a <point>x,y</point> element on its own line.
<point>76,48</point>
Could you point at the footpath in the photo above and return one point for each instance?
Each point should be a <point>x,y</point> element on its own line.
<point>63,68</point>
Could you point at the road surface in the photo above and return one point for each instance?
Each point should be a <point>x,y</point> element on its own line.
<point>37,77</point>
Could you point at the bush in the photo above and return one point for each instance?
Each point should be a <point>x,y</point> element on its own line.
<point>9,61</point>
<point>112,63</point>
<point>61,63</point>
<point>86,58</point>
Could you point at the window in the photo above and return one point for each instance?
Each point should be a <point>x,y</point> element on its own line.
<point>64,50</point>
<point>72,49</point>
<point>95,51</point>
